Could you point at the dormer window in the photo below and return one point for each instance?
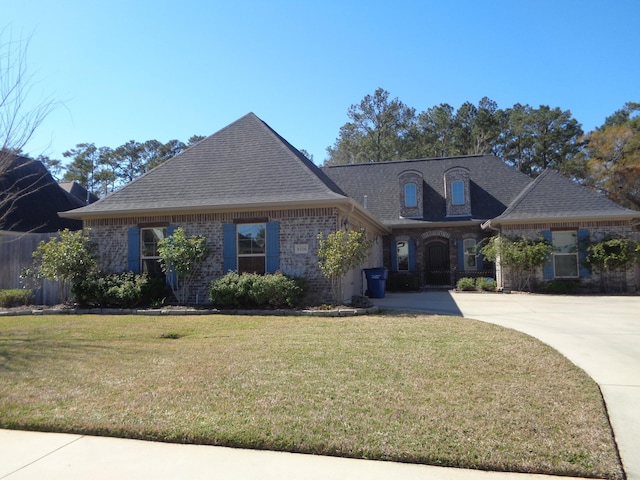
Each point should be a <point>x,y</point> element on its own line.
<point>410,190</point>
<point>457,192</point>
<point>410,195</point>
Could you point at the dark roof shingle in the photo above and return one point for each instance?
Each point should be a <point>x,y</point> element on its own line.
<point>551,195</point>
<point>493,186</point>
<point>245,163</point>
<point>30,199</point>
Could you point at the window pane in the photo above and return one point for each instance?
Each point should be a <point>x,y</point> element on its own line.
<point>457,191</point>
<point>150,238</point>
<point>566,265</point>
<point>152,268</point>
<point>470,254</point>
<point>402,255</point>
<point>410,198</point>
<point>251,239</point>
<point>251,264</point>
<point>565,242</point>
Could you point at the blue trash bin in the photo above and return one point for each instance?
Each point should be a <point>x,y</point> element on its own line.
<point>376,281</point>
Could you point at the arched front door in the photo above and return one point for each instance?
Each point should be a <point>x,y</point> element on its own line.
<point>437,266</point>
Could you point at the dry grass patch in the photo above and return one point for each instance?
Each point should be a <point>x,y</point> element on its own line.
<point>426,389</point>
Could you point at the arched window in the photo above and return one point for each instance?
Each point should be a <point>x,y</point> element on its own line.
<point>457,192</point>
<point>410,195</point>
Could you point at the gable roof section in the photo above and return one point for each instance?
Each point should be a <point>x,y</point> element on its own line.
<point>78,191</point>
<point>551,196</point>
<point>30,199</point>
<point>493,186</point>
<point>244,165</point>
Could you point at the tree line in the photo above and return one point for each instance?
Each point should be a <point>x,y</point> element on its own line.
<point>530,139</point>
<point>102,170</point>
<point>384,129</point>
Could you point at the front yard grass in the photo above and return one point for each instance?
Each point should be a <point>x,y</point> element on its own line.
<point>411,388</point>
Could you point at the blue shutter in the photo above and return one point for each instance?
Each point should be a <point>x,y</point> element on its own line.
<point>133,257</point>
<point>171,276</point>
<point>583,239</point>
<point>273,247</point>
<point>547,268</point>
<point>461,255</point>
<point>229,248</point>
<point>479,259</point>
<point>394,256</point>
<point>412,256</point>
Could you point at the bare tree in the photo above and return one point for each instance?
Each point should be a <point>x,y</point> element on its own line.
<point>19,119</point>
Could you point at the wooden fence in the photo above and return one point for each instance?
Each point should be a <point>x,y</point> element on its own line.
<point>16,251</point>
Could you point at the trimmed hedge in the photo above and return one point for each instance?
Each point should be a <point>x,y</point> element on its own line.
<point>15,297</point>
<point>251,290</point>
<point>122,290</point>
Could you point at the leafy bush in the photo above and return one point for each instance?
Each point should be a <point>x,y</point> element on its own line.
<point>15,297</point>
<point>67,259</point>
<point>183,256</point>
<point>124,290</point>
<point>251,290</point>
<point>466,284</point>
<point>486,284</point>
<point>560,287</point>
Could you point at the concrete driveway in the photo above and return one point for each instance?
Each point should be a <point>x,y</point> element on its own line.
<point>600,334</point>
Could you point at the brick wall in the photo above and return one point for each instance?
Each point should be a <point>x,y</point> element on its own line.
<point>299,231</point>
<point>620,280</point>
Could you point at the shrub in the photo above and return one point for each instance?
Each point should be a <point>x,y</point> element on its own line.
<point>182,255</point>
<point>466,284</point>
<point>15,297</point>
<point>486,284</point>
<point>67,259</point>
<point>251,290</point>
<point>338,253</point>
<point>560,287</point>
<point>124,290</point>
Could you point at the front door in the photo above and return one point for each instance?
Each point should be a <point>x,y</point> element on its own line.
<point>437,263</point>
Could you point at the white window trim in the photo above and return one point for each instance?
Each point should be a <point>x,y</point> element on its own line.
<point>239,255</point>
<point>566,254</point>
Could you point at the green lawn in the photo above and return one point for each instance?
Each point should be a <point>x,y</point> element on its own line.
<point>412,388</point>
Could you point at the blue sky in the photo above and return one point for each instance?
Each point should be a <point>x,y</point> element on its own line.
<point>139,70</point>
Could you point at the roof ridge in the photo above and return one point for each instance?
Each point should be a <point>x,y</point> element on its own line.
<point>306,162</point>
<point>526,191</point>
<point>426,159</point>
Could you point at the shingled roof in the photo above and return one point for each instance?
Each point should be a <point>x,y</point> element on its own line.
<point>552,196</point>
<point>30,199</point>
<point>246,164</point>
<point>493,185</point>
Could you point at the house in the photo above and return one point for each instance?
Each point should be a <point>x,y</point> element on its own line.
<point>30,200</point>
<point>261,204</point>
<point>440,210</point>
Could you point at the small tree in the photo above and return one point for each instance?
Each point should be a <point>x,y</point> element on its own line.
<point>338,253</point>
<point>521,255</point>
<point>182,255</point>
<point>65,259</point>
<point>610,254</point>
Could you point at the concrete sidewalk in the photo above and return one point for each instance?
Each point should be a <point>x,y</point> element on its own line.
<point>600,334</point>
<point>55,456</point>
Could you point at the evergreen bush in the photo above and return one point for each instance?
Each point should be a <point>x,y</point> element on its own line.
<point>250,290</point>
<point>15,297</point>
